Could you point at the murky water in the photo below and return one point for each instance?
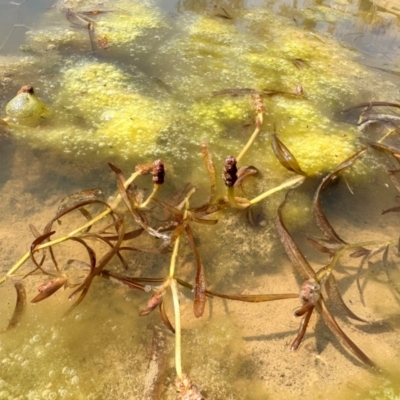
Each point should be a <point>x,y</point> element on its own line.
<point>134,82</point>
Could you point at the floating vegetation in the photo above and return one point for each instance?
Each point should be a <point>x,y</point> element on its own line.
<point>253,97</point>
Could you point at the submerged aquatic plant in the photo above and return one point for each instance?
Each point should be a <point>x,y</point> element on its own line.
<point>119,226</point>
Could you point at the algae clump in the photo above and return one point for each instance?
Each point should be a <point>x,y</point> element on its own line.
<point>26,108</point>
<point>108,99</point>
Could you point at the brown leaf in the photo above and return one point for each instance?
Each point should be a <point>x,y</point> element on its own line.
<point>318,213</point>
<point>165,318</point>
<point>295,255</point>
<point>335,296</point>
<point>200,282</point>
<point>285,157</point>
<point>50,287</point>
<point>340,335</point>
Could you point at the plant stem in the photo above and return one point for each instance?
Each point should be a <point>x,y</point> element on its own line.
<point>174,257</point>
<point>285,185</point>
<point>259,121</point>
<point>178,337</point>
<point>155,190</point>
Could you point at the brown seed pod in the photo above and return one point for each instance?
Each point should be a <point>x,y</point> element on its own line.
<point>310,291</point>
<point>158,172</point>
<point>26,89</point>
<point>229,174</point>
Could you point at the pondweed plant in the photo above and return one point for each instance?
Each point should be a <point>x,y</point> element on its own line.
<point>110,228</point>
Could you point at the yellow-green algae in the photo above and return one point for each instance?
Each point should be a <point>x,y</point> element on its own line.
<point>262,58</point>
<point>102,113</point>
<point>117,112</point>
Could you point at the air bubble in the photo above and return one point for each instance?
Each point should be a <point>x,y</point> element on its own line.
<point>63,392</point>
<point>65,370</point>
<point>36,339</point>
<point>75,380</point>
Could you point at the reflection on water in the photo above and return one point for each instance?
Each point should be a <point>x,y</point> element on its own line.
<point>143,90</point>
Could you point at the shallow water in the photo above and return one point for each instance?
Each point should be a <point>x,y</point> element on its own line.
<point>163,78</point>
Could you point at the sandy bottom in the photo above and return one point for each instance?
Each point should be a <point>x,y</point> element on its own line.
<point>236,351</point>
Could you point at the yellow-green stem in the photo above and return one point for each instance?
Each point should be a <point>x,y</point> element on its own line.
<point>155,190</point>
<point>389,132</point>
<point>173,258</point>
<point>178,355</point>
<point>285,185</point>
<point>252,137</point>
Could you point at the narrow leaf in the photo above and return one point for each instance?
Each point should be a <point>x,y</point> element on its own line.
<point>165,318</point>
<point>318,213</point>
<point>284,156</point>
<point>303,327</point>
<point>325,246</point>
<point>295,255</point>
<point>50,287</point>
<point>340,335</point>
<point>243,173</point>
<point>335,296</point>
